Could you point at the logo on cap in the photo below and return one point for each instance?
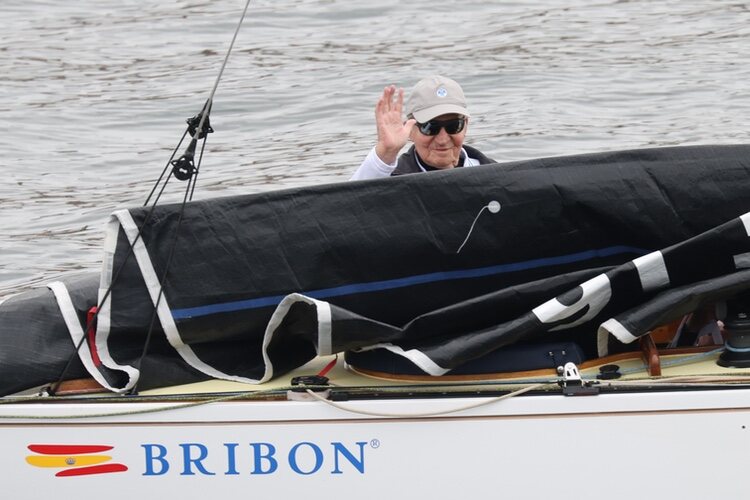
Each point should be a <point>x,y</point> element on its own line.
<point>441,92</point>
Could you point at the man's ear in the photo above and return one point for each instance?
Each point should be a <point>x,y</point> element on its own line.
<point>411,134</point>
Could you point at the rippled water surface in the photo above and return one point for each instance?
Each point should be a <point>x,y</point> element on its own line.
<point>95,94</point>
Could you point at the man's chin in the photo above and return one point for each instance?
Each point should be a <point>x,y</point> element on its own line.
<point>444,162</point>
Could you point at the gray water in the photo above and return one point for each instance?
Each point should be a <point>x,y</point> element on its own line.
<point>95,93</point>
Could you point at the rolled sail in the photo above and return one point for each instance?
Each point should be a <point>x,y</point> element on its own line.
<point>583,248</point>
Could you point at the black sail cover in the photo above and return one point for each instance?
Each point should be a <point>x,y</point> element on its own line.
<point>599,248</point>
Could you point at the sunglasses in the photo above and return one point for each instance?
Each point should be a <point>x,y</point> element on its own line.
<point>432,127</point>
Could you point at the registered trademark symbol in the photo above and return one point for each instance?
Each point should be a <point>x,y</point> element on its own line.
<point>375,443</point>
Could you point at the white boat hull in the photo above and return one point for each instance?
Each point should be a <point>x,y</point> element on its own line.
<point>686,445</point>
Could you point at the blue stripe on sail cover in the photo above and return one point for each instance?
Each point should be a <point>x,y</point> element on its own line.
<point>374,286</point>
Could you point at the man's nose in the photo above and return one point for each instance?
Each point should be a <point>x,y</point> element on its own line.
<point>443,135</point>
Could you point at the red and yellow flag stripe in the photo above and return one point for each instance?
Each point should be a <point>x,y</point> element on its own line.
<point>75,460</point>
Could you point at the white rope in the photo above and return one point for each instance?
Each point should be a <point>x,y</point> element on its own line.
<point>679,381</point>
<point>484,402</point>
<point>493,207</point>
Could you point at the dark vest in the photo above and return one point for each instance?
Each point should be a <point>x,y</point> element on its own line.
<point>407,162</point>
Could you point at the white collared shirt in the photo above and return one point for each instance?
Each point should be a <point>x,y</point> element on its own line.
<point>374,168</point>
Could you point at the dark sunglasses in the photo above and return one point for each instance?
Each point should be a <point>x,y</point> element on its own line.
<point>452,126</point>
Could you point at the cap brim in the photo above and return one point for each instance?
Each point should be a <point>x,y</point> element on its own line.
<point>427,114</point>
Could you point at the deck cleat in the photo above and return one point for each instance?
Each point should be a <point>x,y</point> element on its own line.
<point>572,384</point>
<point>303,385</point>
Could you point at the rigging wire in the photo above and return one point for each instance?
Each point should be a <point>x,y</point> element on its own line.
<point>223,65</point>
<point>164,171</point>
<point>201,132</point>
<point>190,189</point>
<point>154,314</point>
<point>197,170</point>
<point>52,388</point>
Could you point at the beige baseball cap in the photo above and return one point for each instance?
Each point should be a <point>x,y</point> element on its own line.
<point>434,96</point>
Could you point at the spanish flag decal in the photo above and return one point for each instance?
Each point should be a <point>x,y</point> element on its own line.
<point>74,460</point>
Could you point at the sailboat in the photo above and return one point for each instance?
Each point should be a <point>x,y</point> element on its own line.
<point>330,338</point>
<point>519,330</point>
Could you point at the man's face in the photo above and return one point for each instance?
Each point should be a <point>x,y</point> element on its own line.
<point>441,150</point>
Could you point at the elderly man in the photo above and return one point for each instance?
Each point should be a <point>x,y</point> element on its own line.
<point>437,121</point>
